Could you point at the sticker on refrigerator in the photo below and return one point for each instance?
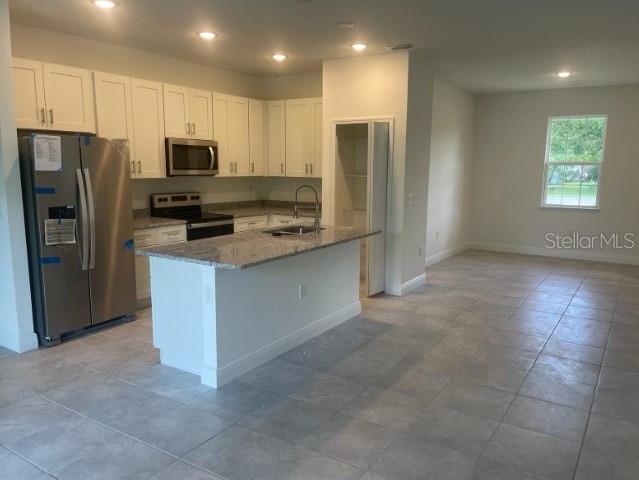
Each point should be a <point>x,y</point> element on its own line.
<point>47,153</point>
<point>59,231</point>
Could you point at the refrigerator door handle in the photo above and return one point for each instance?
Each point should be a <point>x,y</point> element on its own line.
<point>87,176</point>
<point>85,226</point>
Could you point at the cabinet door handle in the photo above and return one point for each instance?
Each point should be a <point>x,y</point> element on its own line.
<point>311,165</point>
<point>132,167</point>
<point>282,168</point>
<point>252,168</point>
<point>42,117</point>
<point>51,115</point>
<point>193,129</point>
<point>139,167</point>
<point>306,168</point>
<point>188,129</point>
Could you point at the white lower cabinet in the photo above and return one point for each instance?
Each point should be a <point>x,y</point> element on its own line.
<point>147,237</point>
<point>250,223</point>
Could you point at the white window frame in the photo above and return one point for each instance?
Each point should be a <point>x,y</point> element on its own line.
<point>596,207</point>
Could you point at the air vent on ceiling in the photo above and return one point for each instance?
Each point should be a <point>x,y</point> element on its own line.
<point>399,46</point>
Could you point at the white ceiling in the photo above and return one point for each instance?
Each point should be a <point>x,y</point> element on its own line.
<point>481,45</point>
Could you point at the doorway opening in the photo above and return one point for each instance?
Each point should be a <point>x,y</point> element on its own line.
<point>361,186</point>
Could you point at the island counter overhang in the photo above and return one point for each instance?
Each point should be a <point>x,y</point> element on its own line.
<point>222,306</point>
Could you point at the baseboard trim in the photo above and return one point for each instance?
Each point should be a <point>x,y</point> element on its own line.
<point>268,352</point>
<point>412,284</point>
<point>568,254</point>
<point>444,254</point>
<point>18,343</point>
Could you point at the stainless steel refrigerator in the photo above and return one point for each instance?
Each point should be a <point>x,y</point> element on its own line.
<point>78,219</point>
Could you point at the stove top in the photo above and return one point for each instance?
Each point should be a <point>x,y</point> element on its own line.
<point>184,206</point>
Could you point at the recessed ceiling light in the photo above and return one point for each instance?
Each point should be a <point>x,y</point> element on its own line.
<point>359,47</point>
<point>206,35</point>
<point>104,3</point>
<point>278,57</point>
<point>563,74</point>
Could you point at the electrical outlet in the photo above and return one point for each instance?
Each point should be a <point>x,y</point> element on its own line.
<point>301,291</point>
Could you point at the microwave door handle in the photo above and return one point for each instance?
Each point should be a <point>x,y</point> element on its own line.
<point>84,249</point>
<point>212,152</point>
<point>91,218</point>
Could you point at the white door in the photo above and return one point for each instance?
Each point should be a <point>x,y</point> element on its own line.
<point>68,95</point>
<point>377,181</point>
<point>148,128</point>
<point>276,138</point>
<point>316,136</point>
<point>239,135</point>
<point>221,124</point>
<point>201,114</point>
<point>256,137</point>
<point>114,113</point>
<point>29,94</point>
<point>298,137</point>
<point>176,111</point>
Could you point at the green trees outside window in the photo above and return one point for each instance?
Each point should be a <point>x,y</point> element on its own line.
<point>574,154</point>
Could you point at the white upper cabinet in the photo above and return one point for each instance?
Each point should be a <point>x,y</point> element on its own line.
<point>68,93</point>
<point>256,137</point>
<point>148,129</point>
<point>231,132</point>
<point>29,94</point>
<point>298,138</point>
<point>176,111</point>
<point>304,137</point>
<point>113,109</point>
<point>201,114</point>
<point>239,135</point>
<point>276,138</point>
<point>221,125</point>
<point>187,113</point>
<point>316,135</point>
<point>53,97</point>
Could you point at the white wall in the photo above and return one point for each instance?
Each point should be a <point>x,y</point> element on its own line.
<point>292,86</point>
<point>48,46</point>
<point>364,87</point>
<point>16,321</point>
<point>508,169</point>
<point>418,134</point>
<point>450,180</point>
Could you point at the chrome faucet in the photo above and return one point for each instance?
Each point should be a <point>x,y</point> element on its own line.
<point>317,204</point>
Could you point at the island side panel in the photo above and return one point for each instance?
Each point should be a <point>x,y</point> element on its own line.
<point>183,311</point>
<point>260,315</point>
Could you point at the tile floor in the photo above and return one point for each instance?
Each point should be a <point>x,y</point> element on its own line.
<point>501,367</point>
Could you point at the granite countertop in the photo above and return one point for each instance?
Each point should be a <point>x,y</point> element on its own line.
<point>141,218</point>
<point>252,211</point>
<point>255,247</point>
<point>140,223</point>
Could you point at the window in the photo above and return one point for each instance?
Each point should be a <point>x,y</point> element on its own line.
<point>574,155</point>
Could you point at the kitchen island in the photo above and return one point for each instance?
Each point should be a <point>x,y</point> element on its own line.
<point>225,305</point>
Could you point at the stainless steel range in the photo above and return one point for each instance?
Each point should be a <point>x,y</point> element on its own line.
<point>188,206</point>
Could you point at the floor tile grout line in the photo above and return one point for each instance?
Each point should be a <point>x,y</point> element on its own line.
<point>129,436</point>
<point>501,421</point>
<point>592,403</point>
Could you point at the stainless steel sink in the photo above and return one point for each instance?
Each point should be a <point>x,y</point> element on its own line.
<point>295,230</point>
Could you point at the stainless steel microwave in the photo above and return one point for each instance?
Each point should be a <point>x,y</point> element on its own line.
<point>186,156</point>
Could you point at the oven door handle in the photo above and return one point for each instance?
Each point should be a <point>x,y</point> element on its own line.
<point>192,226</point>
